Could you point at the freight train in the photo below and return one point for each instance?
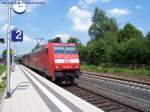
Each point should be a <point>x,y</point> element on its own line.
<point>59,61</point>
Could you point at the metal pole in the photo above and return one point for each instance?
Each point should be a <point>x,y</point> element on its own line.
<point>8,50</point>
<point>13,59</point>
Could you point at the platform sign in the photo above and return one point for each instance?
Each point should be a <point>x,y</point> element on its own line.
<point>17,35</point>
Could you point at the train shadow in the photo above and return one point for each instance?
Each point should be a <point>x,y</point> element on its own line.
<point>49,79</point>
<point>68,85</point>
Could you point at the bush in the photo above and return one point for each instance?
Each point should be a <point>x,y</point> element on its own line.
<point>116,70</point>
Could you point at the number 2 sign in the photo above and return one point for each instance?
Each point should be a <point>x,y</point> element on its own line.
<point>17,35</point>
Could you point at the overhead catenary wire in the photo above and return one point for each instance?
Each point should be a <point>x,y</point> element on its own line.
<point>64,17</point>
<point>61,9</point>
<point>85,3</point>
<point>135,18</point>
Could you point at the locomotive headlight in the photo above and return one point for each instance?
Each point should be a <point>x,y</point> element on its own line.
<point>76,66</point>
<point>57,67</point>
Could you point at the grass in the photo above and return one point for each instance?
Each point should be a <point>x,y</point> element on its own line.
<point>2,85</point>
<point>116,70</point>
<point>2,69</point>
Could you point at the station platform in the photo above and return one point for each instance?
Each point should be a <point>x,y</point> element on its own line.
<point>32,93</point>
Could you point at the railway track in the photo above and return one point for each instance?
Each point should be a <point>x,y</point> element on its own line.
<point>136,84</point>
<point>99,101</point>
<point>127,92</point>
<point>103,100</point>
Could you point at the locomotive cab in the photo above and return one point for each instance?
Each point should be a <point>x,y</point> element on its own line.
<point>67,65</point>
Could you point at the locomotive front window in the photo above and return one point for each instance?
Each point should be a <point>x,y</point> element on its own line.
<point>65,50</point>
<point>70,50</point>
<point>59,49</point>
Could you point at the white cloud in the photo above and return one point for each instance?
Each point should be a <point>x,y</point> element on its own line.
<point>4,28</point>
<point>118,12</point>
<point>138,6</point>
<point>26,39</point>
<point>81,19</point>
<point>64,36</point>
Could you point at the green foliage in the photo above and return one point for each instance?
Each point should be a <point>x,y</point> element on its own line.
<point>2,85</point>
<point>2,68</point>
<point>83,53</point>
<point>4,54</point>
<point>148,36</point>
<point>101,24</point>
<point>74,40</point>
<point>56,40</point>
<point>96,52</point>
<point>133,51</point>
<point>129,31</point>
<point>110,46</point>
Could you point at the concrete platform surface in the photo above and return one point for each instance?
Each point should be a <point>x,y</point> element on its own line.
<point>33,93</point>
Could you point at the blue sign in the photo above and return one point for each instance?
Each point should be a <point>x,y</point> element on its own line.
<point>17,35</point>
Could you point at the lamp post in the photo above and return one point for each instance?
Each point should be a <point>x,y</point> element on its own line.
<point>8,50</point>
<point>19,8</point>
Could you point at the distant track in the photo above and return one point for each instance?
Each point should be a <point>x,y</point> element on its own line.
<point>138,84</point>
<point>126,92</point>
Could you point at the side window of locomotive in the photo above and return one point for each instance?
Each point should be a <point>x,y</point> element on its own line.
<point>46,51</point>
<point>70,50</point>
<point>59,49</point>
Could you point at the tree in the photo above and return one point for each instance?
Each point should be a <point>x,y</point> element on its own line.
<point>148,36</point>
<point>132,51</point>
<point>56,40</point>
<point>96,52</point>
<point>4,55</point>
<point>74,40</point>
<point>129,31</point>
<point>101,24</point>
<point>83,53</point>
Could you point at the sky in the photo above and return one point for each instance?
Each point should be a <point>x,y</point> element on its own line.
<point>65,18</point>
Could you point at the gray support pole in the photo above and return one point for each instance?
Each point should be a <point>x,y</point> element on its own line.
<point>8,50</point>
<point>12,64</point>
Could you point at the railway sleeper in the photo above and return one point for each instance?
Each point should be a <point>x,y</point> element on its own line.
<point>111,108</point>
<point>106,104</point>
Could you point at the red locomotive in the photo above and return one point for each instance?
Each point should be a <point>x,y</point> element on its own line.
<point>59,61</point>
